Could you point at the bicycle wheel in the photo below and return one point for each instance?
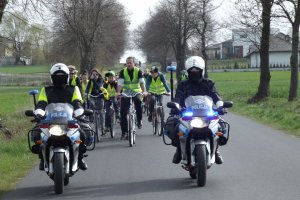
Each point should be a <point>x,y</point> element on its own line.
<point>154,121</point>
<point>111,122</point>
<point>162,121</point>
<point>130,130</point>
<point>158,122</point>
<point>98,127</point>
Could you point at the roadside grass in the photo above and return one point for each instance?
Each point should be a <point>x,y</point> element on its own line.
<point>24,69</point>
<point>275,111</point>
<point>13,99</point>
<point>15,158</point>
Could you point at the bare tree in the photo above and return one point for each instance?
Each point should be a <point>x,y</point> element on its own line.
<point>265,75</point>
<point>290,9</point>
<point>254,16</point>
<point>152,39</point>
<point>3,4</point>
<point>16,28</point>
<point>84,26</point>
<point>206,26</point>
<point>179,24</point>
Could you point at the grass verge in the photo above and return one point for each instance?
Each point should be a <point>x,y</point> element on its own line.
<point>275,111</point>
<point>16,159</point>
<point>21,69</point>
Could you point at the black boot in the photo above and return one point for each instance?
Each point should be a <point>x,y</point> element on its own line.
<point>150,117</point>
<point>82,164</point>
<point>219,159</point>
<point>177,156</point>
<point>41,165</point>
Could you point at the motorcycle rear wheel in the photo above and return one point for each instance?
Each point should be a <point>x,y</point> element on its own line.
<point>59,173</point>
<point>200,151</point>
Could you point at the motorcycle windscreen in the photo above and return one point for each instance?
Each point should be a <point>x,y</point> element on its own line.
<point>59,113</point>
<point>200,106</point>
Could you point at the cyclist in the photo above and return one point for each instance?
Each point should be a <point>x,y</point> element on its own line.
<point>60,92</point>
<point>131,78</point>
<point>146,73</point>
<point>156,84</point>
<point>95,88</point>
<point>84,81</point>
<point>74,79</point>
<point>111,87</point>
<point>183,75</point>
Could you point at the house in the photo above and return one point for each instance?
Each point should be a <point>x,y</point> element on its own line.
<point>239,45</point>
<point>6,51</point>
<point>280,51</point>
<point>214,51</point>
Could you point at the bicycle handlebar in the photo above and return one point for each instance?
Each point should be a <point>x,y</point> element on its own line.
<point>94,96</point>
<point>166,94</point>
<point>130,95</point>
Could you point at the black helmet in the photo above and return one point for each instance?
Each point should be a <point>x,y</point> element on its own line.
<point>154,69</point>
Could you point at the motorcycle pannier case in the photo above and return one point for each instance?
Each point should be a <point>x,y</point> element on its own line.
<point>171,127</point>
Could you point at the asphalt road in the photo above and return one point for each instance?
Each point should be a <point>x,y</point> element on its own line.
<point>260,163</point>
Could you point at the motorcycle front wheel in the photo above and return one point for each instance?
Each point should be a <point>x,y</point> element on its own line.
<point>59,173</point>
<point>200,154</point>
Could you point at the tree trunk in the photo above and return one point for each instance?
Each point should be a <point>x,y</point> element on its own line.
<point>293,94</point>
<point>87,61</point>
<point>265,76</point>
<point>3,4</point>
<point>180,60</point>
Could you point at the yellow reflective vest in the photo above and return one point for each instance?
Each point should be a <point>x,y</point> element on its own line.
<point>134,84</point>
<point>156,86</point>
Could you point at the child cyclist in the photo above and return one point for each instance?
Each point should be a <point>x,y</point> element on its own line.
<point>111,87</point>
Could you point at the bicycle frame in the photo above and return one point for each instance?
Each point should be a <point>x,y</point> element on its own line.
<point>98,117</point>
<point>157,116</point>
<point>131,117</point>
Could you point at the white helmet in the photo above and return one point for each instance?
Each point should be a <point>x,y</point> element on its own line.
<point>59,74</point>
<point>195,61</point>
<point>59,67</point>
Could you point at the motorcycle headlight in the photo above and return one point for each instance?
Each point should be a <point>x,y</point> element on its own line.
<point>57,130</point>
<point>198,123</point>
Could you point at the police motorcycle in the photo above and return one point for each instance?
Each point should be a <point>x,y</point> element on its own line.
<point>201,129</point>
<point>59,143</point>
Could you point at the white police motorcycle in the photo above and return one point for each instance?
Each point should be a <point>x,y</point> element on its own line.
<point>200,130</point>
<point>59,143</point>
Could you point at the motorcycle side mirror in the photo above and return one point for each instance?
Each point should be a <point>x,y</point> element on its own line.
<point>29,113</point>
<point>88,112</point>
<point>228,104</point>
<point>173,105</point>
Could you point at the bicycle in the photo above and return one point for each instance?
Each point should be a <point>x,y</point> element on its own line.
<point>158,116</point>
<point>4,130</point>
<point>97,116</point>
<point>146,105</point>
<point>131,116</point>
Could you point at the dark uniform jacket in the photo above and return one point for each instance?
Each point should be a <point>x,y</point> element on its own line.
<point>188,88</point>
<point>51,94</point>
